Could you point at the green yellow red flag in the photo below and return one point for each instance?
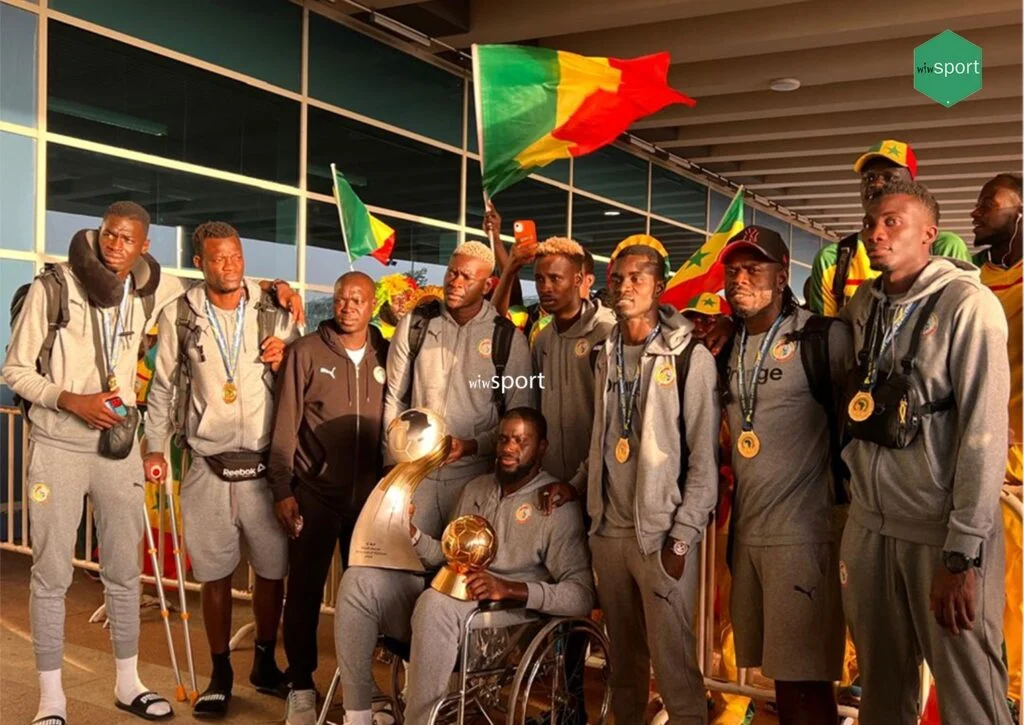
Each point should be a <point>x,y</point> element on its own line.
<point>362,232</point>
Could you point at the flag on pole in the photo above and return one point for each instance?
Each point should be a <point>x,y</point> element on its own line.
<point>703,272</point>
<point>537,105</point>
<point>362,232</point>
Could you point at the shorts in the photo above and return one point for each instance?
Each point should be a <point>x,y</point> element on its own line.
<point>787,611</point>
<point>217,513</point>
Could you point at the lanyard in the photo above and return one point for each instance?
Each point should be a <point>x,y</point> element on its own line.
<point>748,395</point>
<point>900,317</point>
<point>628,389</point>
<point>110,336</point>
<point>230,363</point>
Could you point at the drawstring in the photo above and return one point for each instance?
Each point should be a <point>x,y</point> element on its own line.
<point>233,499</point>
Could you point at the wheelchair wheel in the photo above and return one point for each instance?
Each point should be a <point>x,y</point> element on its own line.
<point>563,677</point>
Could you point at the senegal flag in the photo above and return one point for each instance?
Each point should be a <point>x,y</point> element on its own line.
<point>537,105</point>
<point>362,232</point>
<point>702,272</point>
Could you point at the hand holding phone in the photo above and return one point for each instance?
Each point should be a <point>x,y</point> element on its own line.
<point>117,406</point>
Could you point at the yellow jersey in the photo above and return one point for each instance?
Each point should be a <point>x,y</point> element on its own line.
<point>1006,284</point>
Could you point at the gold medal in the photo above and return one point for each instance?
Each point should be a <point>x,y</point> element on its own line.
<point>748,444</point>
<point>230,392</point>
<point>861,407</point>
<point>112,383</point>
<point>622,450</point>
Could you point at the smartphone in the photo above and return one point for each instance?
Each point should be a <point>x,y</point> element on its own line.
<point>524,231</point>
<point>117,406</point>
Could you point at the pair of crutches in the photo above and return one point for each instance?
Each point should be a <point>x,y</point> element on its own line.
<point>182,603</point>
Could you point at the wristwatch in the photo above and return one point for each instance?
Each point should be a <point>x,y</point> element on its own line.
<point>957,563</point>
<point>680,548</point>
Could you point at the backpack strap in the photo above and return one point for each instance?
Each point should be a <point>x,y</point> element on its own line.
<point>682,372</point>
<point>501,347</point>
<point>846,248</point>
<point>421,317</point>
<point>596,349</point>
<point>922,321</point>
<point>266,325</point>
<point>188,332</point>
<point>56,289</point>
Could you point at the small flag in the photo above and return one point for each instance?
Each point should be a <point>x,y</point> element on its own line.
<point>537,105</point>
<point>703,272</point>
<point>362,232</point>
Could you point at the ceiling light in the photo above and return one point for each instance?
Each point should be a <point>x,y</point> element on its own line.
<point>784,84</point>
<point>612,212</point>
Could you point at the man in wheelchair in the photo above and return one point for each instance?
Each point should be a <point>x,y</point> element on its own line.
<point>541,561</point>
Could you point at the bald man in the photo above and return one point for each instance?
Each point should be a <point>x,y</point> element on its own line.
<point>325,458</point>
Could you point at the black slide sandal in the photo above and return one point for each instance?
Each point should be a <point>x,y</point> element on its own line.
<point>50,720</point>
<point>212,704</point>
<point>141,704</point>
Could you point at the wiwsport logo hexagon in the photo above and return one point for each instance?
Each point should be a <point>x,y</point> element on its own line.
<point>947,68</point>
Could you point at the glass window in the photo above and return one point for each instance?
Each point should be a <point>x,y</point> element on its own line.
<point>764,219</point>
<point>18,191</point>
<point>261,38</point>
<point>613,174</point>
<point>804,245</point>
<point>384,169</point>
<point>680,243</point>
<point>17,65</point>
<point>798,277</point>
<point>546,205</point>
<point>357,73</point>
<point>600,227</point>
<point>319,307</point>
<point>105,91</point>
<point>13,274</point>
<point>83,183</point>
<point>679,198</point>
<point>719,204</point>
<point>417,246</point>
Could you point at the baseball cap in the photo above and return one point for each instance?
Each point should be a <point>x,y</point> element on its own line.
<point>708,303</point>
<point>762,240</point>
<point>896,151</point>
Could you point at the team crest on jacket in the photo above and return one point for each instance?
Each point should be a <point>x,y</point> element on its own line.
<point>783,350</point>
<point>666,375</point>
<point>582,348</point>
<point>484,347</point>
<point>40,492</point>
<point>523,513</point>
<point>931,326</point>
<point>379,375</point>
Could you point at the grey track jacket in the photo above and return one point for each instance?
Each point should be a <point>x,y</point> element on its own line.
<point>943,489</point>
<point>660,508</point>
<point>451,361</point>
<point>549,553</point>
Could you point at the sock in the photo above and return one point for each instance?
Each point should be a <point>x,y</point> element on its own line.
<point>264,665</point>
<point>358,717</point>
<point>222,678</point>
<point>51,696</point>
<point>128,686</point>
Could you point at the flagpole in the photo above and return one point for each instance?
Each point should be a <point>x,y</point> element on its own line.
<point>477,106</point>
<point>341,218</point>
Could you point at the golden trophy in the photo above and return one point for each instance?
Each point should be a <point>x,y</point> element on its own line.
<point>419,441</point>
<point>469,544</point>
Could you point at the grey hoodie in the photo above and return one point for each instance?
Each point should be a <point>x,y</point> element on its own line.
<point>660,509</point>
<point>214,426</point>
<point>451,364</point>
<point>567,398</point>
<point>549,553</point>
<point>77,362</point>
<point>943,489</point>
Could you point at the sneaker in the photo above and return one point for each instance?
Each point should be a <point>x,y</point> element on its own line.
<point>301,707</point>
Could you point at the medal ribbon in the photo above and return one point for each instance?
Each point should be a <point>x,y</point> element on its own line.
<point>230,363</point>
<point>110,337</point>
<point>874,358</point>
<point>627,399</point>
<point>748,396</point>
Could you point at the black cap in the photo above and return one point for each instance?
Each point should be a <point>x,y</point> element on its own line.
<point>761,240</point>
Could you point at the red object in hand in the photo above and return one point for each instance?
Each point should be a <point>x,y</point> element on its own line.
<point>524,231</point>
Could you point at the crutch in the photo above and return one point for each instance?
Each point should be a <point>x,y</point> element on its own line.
<point>182,603</point>
<point>158,576</point>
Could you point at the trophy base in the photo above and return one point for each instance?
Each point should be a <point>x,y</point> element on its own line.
<point>450,582</point>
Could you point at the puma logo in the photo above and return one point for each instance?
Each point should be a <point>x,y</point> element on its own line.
<point>659,595</point>
<point>330,372</point>
<point>808,592</point>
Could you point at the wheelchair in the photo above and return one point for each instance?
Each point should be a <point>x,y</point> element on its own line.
<point>529,671</point>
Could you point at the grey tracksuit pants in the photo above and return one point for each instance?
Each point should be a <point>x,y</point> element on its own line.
<point>650,620</point>
<point>58,481</point>
<point>886,586</point>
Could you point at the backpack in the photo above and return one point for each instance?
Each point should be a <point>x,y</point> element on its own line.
<point>188,331</point>
<point>501,346</point>
<point>55,287</point>
<point>846,249</point>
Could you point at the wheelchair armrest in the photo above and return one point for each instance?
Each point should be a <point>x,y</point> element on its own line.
<point>499,605</point>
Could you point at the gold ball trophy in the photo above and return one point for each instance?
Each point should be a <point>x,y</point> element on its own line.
<point>469,544</point>
<point>419,441</point>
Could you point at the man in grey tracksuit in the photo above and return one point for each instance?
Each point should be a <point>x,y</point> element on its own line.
<point>229,411</point>
<point>651,482</point>
<point>446,377</point>
<point>541,561</point>
<point>922,554</point>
